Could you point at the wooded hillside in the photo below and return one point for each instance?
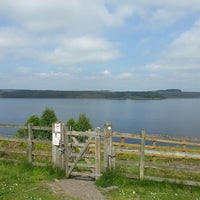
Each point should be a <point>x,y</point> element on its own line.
<point>159,94</point>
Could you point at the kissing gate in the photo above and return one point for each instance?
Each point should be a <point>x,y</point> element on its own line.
<point>81,158</point>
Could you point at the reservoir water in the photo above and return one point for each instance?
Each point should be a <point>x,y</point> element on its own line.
<point>176,117</point>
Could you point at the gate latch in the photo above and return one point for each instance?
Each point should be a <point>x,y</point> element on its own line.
<point>62,148</point>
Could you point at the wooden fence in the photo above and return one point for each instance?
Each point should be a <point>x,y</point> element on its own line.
<point>15,149</point>
<point>137,152</point>
<point>156,152</point>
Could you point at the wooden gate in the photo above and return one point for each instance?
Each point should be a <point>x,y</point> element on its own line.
<point>78,153</point>
<point>84,157</point>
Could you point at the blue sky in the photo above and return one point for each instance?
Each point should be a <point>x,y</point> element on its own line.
<point>120,45</point>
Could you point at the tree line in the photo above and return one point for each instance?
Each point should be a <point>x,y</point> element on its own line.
<point>47,118</point>
<point>104,94</point>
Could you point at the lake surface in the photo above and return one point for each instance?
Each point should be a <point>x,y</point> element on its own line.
<point>176,117</point>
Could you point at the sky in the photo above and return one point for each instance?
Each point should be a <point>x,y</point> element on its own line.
<point>117,45</point>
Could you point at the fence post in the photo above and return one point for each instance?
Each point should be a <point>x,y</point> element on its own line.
<point>30,143</point>
<point>66,142</point>
<point>107,146</point>
<point>97,153</point>
<point>142,157</point>
<point>58,147</point>
<point>113,157</point>
<point>62,148</point>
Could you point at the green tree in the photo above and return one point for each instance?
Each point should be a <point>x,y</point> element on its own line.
<point>83,123</point>
<point>71,124</point>
<point>48,117</point>
<point>35,121</point>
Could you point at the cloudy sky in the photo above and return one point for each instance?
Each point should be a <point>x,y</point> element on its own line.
<point>100,44</point>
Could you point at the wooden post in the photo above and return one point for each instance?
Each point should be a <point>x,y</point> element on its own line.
<point>184,146</point>
<point>62,148</point>
<point>154,144</point>
<point>97,154</point>
<point>30,143</point>
<point>57,145</point>
<point>66,141</point>
<point>108,146</point>
<point>142,157</point>
<point>113,158</point>
<point>122,141</point>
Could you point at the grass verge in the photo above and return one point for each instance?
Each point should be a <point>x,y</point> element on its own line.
<point>130,189</point>
<point>25,181</point>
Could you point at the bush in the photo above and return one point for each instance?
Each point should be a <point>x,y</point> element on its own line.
<point>83,124</point>
<point>112,178</point>
<point>47,118</point>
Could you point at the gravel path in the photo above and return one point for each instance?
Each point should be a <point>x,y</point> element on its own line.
<point>78,189</point>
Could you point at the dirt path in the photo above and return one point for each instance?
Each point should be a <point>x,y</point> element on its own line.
<point>76,189</point>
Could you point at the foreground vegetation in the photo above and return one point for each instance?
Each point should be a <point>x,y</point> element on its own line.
<point>131,189</point>
<point>25,181</point>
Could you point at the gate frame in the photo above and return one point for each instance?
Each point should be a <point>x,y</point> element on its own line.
<point>61,152</point>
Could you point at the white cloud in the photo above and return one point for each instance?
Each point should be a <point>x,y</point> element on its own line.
<point>23,69</point>
<point>106,72</point>
<point>47,24</point>
<point>76,15</point>
<point>13,43</point>
<point>186,46</point>
<point>81,50</point>
<point>180,57</point>
<point>125,75</point>
<point>157,14</point>
<point>62,34</point>
<point>52,74</point>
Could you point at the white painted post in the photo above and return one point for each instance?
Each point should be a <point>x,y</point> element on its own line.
<point>108,146</point>
<point>57,129</point>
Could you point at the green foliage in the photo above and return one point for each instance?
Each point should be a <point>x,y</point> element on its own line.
<point>111,178</point>
<point>82,124</point>
<point>71,124</point>
<point>35,121</point>
<point>47,118</point>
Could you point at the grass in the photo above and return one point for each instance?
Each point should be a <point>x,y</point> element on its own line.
<point>130,189</point>
<point>25,181</point>
<point>187,163</point>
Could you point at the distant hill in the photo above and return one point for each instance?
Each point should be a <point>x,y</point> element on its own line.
<point>159,94</point>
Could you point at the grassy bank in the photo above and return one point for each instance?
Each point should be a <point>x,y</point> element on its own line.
<point>130,189</point>
<point>24,181</point>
